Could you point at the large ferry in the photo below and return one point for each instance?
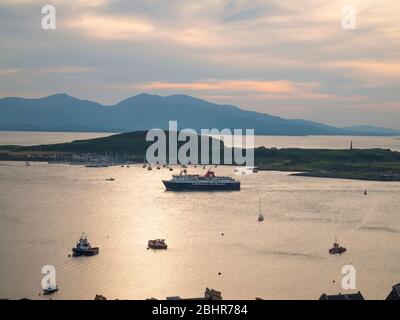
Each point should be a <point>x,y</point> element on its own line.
<point>208,182</point>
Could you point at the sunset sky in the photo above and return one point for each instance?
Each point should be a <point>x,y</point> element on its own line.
<point>283,57</point>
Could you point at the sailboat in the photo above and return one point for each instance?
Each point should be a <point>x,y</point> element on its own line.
<point>260,216</point>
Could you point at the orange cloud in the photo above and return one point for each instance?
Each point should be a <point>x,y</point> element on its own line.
<point>231,85</point>
<point>370,67</point>
<point>249,89</point>
<point>110,27</point>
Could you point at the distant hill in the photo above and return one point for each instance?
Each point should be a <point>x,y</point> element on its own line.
<point>62,112</point>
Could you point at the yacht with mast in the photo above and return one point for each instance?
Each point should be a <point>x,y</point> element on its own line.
<point>260,216</point>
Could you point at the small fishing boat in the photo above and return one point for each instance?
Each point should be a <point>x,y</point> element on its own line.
<point>260,216</point>
<point>83,248</point>
<point>110,179</point>
<point>337,249</point>
<point>157,244</point>
<point>51,288</point>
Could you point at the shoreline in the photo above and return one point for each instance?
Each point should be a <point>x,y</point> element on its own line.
<point>359,176</point>
<point>130,148</point>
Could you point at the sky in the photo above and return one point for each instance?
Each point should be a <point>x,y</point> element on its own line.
<point>288,58</point>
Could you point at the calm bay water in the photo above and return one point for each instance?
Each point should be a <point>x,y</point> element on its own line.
<point>44,208</point>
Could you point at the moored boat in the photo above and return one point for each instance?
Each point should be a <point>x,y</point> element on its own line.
<point>83,248</point>
<point>51,288</point>
<point>337,249</point>
<point>157,244</point>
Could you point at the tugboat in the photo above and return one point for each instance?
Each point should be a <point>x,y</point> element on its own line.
<point>337,249</point>
<point>51,288</point>
<point>208,182</point>
<point>83,248</point>
<point>260,216</point>
<point>157,244</point>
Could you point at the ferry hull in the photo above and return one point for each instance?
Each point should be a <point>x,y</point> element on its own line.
<point>176,186</point>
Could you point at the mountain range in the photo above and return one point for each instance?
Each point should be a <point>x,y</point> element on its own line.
<point>62,112</point>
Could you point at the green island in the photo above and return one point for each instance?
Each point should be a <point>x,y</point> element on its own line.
<point>359,164</point>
